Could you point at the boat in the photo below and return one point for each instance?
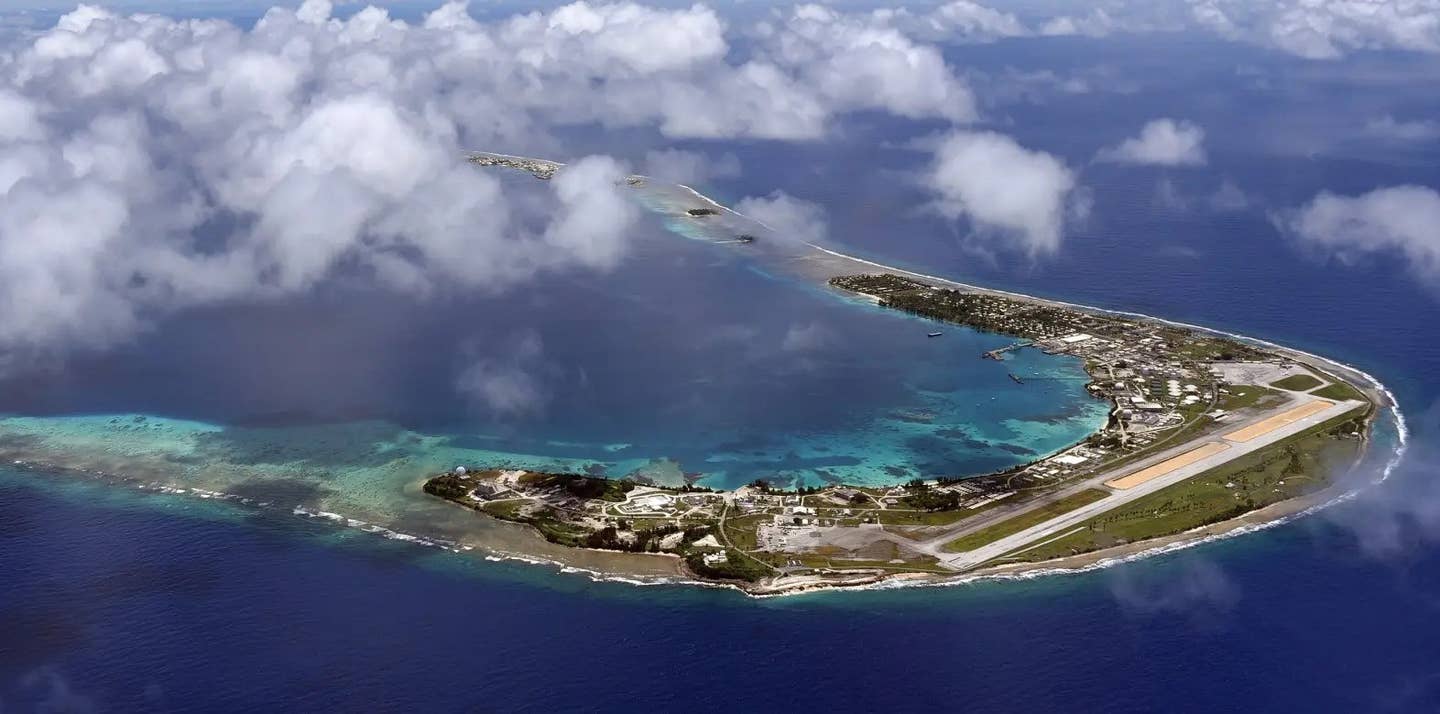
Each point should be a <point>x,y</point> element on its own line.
<point>1017,379</point>
<point>935,334</point>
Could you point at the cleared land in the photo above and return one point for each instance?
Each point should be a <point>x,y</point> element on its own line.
<point>1297,383</point>
<point>1285,418</point>
<point>1166,466</point>
<point>1025,520</point>
<point>1298,466</point>
<point>1339,392</point>
<point>1334,414</point>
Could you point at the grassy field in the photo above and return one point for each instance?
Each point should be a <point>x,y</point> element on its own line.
<point>1339,391</point>
<point>1297,382</point>
<point>1297,466</point>
<point>1244,395</point>
<point>508,510</point>
<point>1024,520</point>
<point>922,518</point>
<point>741,531</point>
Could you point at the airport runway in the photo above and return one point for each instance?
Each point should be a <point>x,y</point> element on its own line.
<point>965,561</point>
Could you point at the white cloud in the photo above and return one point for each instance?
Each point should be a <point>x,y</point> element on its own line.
<point>1388,127</point>
<point>1169,197</point>
<point>617,39</point>
<point>859,61</point>
<point>594,215</point>
<point>1096,23</point>
<point>1162,142</point>
<point>807,337</point>
<point>505,382</point>
<point>791,218</point>
<point>308,144</point>
<point>689,167</point>
<point>1314,29</point>
<point>1228,198</point>
<point>1323,29</point>
<point>1009,193</point>
<point>962,19</point>
<point>1328,29</point>
<point>1189,586</point>
<point>1399,220</point>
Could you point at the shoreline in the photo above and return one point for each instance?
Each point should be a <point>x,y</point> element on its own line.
<point>1259,519</point>
<point>1274,514</point>
<point>677,574</point>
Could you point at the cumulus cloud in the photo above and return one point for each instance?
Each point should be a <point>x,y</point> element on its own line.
<point>149,164</point>
<point>854,62</point>
<point>1399,520</point>
<point>1314,29</point>
<point>689,167</point>
<point>1162,142</point>
<point>506,382</point>
<point>1398,221</point>
<point>1325,30</point>
<point>806,337</point>
<point>1096,23</point>
<point>789,217</point>
<point>1228,198</point>
<point>1017,196</point>
<point>1191,586</point>
<point>1388,127</point>
<point>962,19</point>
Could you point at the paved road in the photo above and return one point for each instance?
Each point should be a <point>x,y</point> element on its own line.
<point>963,561</point>
<point>934,545</point>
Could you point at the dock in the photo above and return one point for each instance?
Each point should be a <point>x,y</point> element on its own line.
<point>995,354</point>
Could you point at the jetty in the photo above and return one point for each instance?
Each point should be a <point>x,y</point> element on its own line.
<point>995,354</point>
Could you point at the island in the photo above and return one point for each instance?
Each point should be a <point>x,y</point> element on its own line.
<point>1206,433</point>
<point>1203,434</point>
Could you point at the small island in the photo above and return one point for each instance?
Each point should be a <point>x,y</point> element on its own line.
<point>1205,433</point>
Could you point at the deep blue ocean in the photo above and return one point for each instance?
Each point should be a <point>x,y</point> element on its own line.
<point>116,600</point>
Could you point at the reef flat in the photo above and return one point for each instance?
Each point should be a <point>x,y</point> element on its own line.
<point>1203,433</point>
<point>1204,430</point>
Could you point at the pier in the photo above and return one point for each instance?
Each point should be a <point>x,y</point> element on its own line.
<point>995,354</point>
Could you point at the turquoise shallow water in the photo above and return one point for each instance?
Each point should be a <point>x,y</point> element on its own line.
<point>697,360</point>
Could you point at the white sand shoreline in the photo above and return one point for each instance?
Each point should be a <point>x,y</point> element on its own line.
<point>1270,516</point>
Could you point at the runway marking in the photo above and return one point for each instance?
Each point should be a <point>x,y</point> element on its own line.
<point>1282,419</point>
<point>1164,467</point>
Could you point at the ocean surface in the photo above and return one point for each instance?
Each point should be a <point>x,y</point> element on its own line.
<point>689,360</point>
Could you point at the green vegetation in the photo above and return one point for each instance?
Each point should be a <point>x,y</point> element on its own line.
<point>641,540</point>
<point>1245,395</point>
<point>448,486</point>
<point>919,518</point>
<point>737,566</point>
<point>1297,382</point>
<point>579,486</point>
<point>1339,391</point>
<point>556,530</point>
<point>1300,465</point>
<point>741,531</point>
<point>1025,520</point>
<point>508,510</point>
<point>924,498</point>
<point>591,487</point>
